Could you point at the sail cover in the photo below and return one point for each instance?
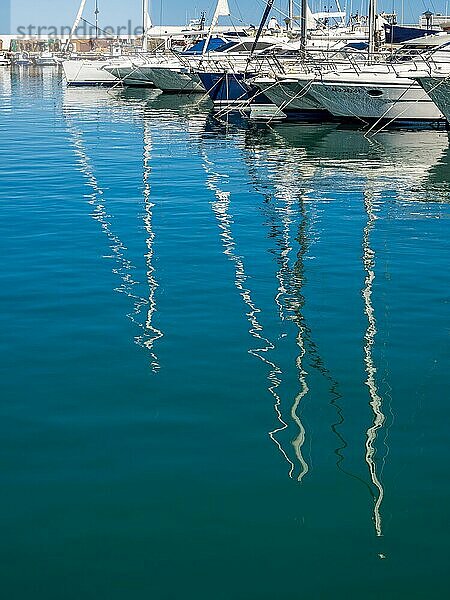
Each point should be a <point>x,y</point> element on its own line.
<point>222,9</point>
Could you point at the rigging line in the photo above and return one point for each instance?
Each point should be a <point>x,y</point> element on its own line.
<point>224,112</point>
<point>119,84</point>
<point>390,107</point>
<point>274,9</point>
<point>107,33</point>
<point>316,91</point>
<point>121,81</point>
<point>206,95</point>
<point>246,103</point>
<point>82,63</point>
<point>298,96</point>
<point>161,12</point>
<point>425,95</point>
<point>235,20</point>
<point>239,104</point>
<point>238,8</point>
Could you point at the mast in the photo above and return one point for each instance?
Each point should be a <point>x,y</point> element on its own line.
<point>96,13</point>
<point>304,24</point>
<point>222,10</point>
<point>146,23</point>
<point>262,24</point>
<point>291,15</point>
<point>145,19</point>
<point>151,334</point>
<point>372,26</point>
<point>77,21</point>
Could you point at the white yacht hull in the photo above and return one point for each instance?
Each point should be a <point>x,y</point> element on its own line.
<point>45,62</point>
<point>398,100</point>
<point>175,80</point>
<point>87,72</point>
<point>130,74</point>
<point>438,88</point>
<point>292,97</point>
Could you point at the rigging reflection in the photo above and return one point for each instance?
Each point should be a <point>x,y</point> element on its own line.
<point>376,401</point>
<point>221,209</point>
<point>282,209</point>
<point>286,165</point>
<point>151,333</point>
<point>294,163</point>
<point>281,178</point>
<point>81,108</point>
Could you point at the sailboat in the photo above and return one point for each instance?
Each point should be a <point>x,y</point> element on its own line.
<point>4,60</point>
<point>378,92</point>
<point>46,59</point>
<point>164,71</point>
<point>174,73</point>
<point>229,78</point>
<point>22,59</point>
<point>437,86</point>
<point>91,71</point>
<point>362,87</point>
<point>435,79</point>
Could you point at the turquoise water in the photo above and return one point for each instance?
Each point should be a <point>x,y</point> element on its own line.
<point>224,353</point>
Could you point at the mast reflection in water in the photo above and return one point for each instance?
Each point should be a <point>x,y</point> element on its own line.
<point>77,110</point>
<point>282,173</point>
